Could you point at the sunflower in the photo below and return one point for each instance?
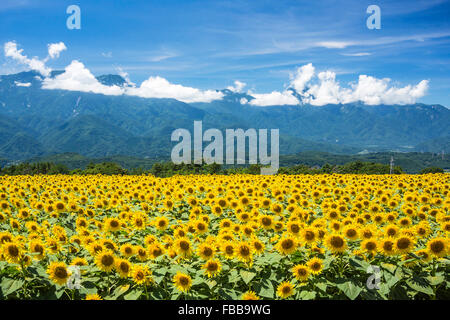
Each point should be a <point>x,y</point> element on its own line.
<point>123,267</point>
<point>105,261</point>
<point>127,250</point>
<point>287,245</point>
<point>315,265</point>
<point>141,253</point>
<point>391,230</point>
<point>183,247</point>
<point>205,251</point>
<point>266,221</point>
<point>351,232</point>
<point>217,210</point>
<point>113,224</point>
<point>335,243</point>
<point>79,262</point>
<point>139,221</point>
<point>403,244</point>
<point>424,255</point>
<point>301,272</point>
<point>309,235</point>
<point>369,246</point>
<point>161,223</point>
<point>438,247</point>
<point>249,295</point>
<point>293,227</point>
<point>228,249</point>
<point>12,252</point>
<point>387,246</point>
<point>225,223</point>
<point>37,249</point>
<point>244,252</point>
<point>58,273</point>
<point>5,237</point>
<point>258,245</point>
<point>285,290</point>
<point>212,268</point>
<point>201,227</point>
<point>93,297</point>
<point>141,274</point>
<point>182,281</point>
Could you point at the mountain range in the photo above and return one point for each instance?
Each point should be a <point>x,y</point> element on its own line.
<point>35,122</point>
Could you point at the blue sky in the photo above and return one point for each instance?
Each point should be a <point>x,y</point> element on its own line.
<point>209,44</point>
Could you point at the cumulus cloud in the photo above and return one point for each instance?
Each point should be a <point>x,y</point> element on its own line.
<point>275,98</point>
<point>157,87</point>
<point>302,76</point>
<point>373,91</point>
<point>11,50</point>
<point>54,49</point>
<point>238,86</point>
<point>76,77</point>
<point>323,88</point>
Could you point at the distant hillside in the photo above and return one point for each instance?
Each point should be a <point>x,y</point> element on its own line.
<point>36,122</point>
<point>410,162</point>
<point>439,145</point>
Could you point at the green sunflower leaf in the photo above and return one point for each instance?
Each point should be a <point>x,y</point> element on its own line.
<point>247,276</point>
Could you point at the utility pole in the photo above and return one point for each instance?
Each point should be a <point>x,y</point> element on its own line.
<point>391,168</point>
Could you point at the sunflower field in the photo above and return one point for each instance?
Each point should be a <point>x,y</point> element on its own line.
<point>225,237</point>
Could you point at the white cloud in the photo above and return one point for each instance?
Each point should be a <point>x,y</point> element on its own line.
<point>373,91</point>
<point>369,90</point>
<point>334,44</point>
<point>157,87</point>
<point>275,98</point>
<point>357,54</point>
<point>238,86</point>
<point>11,51</point>
<point>22,84</point>
<point>126,76</point>
<point>107,54</point>
<point>162,57</point>
<point>302,76</point>
<point>77,77</point>
<point>54,49</point>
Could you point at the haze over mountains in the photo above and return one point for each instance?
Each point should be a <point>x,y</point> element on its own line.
<point>36,122</point>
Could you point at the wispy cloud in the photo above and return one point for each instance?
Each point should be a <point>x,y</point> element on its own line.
<point>357,54</point>
<point>162,57</point>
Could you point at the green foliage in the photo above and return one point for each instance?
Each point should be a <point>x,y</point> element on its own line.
<point>108,168</point>
<point>35,168</point>
<point>431,170</point>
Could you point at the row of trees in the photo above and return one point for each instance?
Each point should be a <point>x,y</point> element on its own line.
<point>167,169</point>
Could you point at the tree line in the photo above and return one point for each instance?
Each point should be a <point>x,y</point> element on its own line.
<point>167,169</point>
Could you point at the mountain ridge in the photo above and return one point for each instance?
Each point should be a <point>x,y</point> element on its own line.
<point>98,125</point>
